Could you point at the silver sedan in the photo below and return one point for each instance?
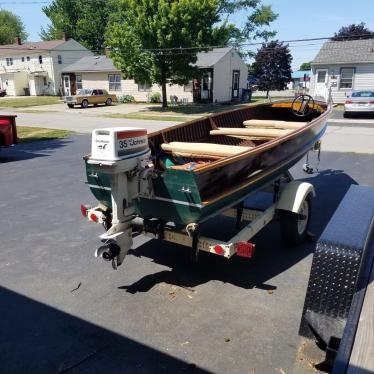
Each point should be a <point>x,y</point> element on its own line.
<point>359,102</point>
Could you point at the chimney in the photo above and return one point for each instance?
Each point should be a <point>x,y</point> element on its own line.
<point>18,40</point>
<point>107,52</point>
<point>65,36</point>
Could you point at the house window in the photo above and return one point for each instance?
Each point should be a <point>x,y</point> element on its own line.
<point>78,79</point>
<point>321,77</point>
<point>40,59</point>
<point>144,86</point>
<point>22,59</point>
<point>45,81</point>
<point>9,61</point>
<point>59,59</point>
<point>114,82</point>
<point>28,58</point>
<point>346,77</point>
<point>188,87</point>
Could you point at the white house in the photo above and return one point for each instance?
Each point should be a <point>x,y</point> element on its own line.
<point>223,75</point>
<point>34,68</point>
<point>344,66</point>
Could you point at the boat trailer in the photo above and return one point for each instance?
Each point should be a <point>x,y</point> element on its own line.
<point>127,162</point>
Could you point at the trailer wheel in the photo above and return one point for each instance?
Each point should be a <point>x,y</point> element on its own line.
<point>294,226</point>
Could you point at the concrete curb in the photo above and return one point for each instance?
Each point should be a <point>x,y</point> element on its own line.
<point>356,121</point>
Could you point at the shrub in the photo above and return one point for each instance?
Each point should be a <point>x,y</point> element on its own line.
<point>155,98</point>
<point>126,99</point>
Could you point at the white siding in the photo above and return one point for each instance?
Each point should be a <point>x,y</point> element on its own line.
<point>222,82</point>
<point>7,83</point>
<point>70,52</point>
<point>14,83</point>
<point>363,79</point>
<point>20,82</point>
<point>130,87</point>
<point>222,76</point>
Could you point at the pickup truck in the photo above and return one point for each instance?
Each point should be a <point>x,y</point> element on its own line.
<point>8,130</point>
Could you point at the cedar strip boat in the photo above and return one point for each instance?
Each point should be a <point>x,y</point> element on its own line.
<point>210,164</point>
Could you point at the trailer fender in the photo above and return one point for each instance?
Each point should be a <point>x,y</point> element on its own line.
<point>293,196</point>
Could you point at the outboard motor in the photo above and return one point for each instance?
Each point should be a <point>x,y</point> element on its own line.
<point>124,155</point>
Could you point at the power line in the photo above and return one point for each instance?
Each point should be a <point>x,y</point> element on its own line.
<point>257,43</point>
<point>33,47</point>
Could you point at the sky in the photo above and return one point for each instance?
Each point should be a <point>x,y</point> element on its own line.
<point>297,20</point>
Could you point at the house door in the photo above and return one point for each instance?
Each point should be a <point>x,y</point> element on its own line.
<point>320,86</point>
<point>67,90</point>
<point>235,84</point>
<point>39,86</point>
<point>206,86</point>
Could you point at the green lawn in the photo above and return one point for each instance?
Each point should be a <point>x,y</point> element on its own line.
<point>198,110</point>
<point>27,101</point>
<point>180,113</point>
<point>32,134</point>
<point>148,116</point>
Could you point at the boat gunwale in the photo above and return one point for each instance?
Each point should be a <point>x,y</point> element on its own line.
<point>265,146</point>
<point>252,152</point>
<point>249,180</point>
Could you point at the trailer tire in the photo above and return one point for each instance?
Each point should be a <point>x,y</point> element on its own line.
<point>294,226</point>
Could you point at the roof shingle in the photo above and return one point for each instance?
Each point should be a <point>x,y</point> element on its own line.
<point>44,45</point>
<point>103,63</point>
<point>91,63</point>
<point>349,51</point>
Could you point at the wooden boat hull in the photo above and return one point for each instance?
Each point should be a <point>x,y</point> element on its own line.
<point>186,196</point>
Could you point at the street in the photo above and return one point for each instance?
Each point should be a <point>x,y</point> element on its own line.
<point>58,116</point>
<point>64,310</point>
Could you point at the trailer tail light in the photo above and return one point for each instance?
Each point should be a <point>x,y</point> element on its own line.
<point>219,249</point>
<point>93,217</point>
<point>84,210</point>
<point>348,101</point>
<point>245,249</point>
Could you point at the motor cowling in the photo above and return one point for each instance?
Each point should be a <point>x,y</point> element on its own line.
<point>116,145</point>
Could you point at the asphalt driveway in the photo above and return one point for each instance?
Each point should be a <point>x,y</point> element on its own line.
<point>62,310</point>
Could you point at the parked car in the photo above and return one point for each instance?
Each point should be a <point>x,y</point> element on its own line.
<point>8,131</point>
<point>85,97</point>
<point>359,102</point>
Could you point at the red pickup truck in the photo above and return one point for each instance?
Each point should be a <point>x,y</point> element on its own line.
<point>8,130</point>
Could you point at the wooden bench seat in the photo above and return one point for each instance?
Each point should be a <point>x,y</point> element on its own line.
<point>185,149</point>
<point>257,133</point>
<point>273,124</point>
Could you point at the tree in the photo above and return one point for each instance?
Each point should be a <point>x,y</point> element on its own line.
<point>257,17</point>
<point>11,26</point>
<point>157,40</point>
<point>353,32</point>
<point>272,66</point>
<point>85,21</point>
<point>143,35</point>
<point>305,66</point>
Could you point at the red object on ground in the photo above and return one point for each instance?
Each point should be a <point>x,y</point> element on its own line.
<point>8,131</point>
<point>245,249</point>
